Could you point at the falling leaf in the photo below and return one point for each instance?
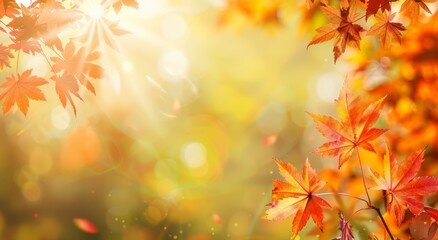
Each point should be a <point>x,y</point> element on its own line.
<point>269,140</point>
<point>20,89</point>
<point>404,188</point>
<point>85,225</point>
<point>217,218</point>
<point>387,31</point>
<point>341,28</point>
<point>296,197</point>
<point>354,129</point>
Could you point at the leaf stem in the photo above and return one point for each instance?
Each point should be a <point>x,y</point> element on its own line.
<point>18,59</point>
<point>47,60</point>
<point>363,176</point>
<point>341,194</point>
<point>368,196</point>
<point>383,221</point>
<point>6,25</point>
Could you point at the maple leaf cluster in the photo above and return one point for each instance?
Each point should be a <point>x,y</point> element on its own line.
<point>402,190</point>
<point>343,24</point>
<point>344,28</point>
<point>408,76</point>
<point>37,29</point>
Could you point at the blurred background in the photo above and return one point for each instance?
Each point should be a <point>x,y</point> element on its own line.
<point>178,142</point>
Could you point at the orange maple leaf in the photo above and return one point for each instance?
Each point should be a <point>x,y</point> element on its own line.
<point>78,64</point>
<point>412,8</point>
<point>403,187</point>
<point>341,28</point>
<point>65,86</point>
<point>387,31</point>
<point>354,129</point>
<point>20,89</point>
<point>8,8</point>
<point>117,5</point>
<point>296,197</point>
<point>5,55</point>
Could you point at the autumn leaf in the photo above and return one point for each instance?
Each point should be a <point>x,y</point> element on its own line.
<point>27,25</point>
<point>346,229</point>
<point>85,225</point>
<point>117,5</point>
<point>374,5</point>
<point>5,55</point>
<point>78,64</point>
<point>65,86</point>
<point>8,8</point>
<point>55,18</point>
<point>403,187</point>
<point>387,31</point>
<point>341,28</point>
<point>412,8</point>
<point>20,89</point>
<point>354,129</point>
<point>433,213</point>
<point>296,197</point>
<point>28,46</point>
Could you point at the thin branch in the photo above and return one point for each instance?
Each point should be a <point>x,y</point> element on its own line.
<point>368,196</point>
<point>47,60</point>
<point>383,221</point>
<point>341,194</point>
<point>18,59</point>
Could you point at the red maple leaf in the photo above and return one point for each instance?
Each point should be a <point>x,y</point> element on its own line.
<point>341,28</point>
<point>354,129</point>
<point>403,186</point>
<point>374,5</point>
<point>296,197</point>
<point>387,31</point>
<point>20,89</point>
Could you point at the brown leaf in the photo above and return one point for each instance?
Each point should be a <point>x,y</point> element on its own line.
<point>340,28</point>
